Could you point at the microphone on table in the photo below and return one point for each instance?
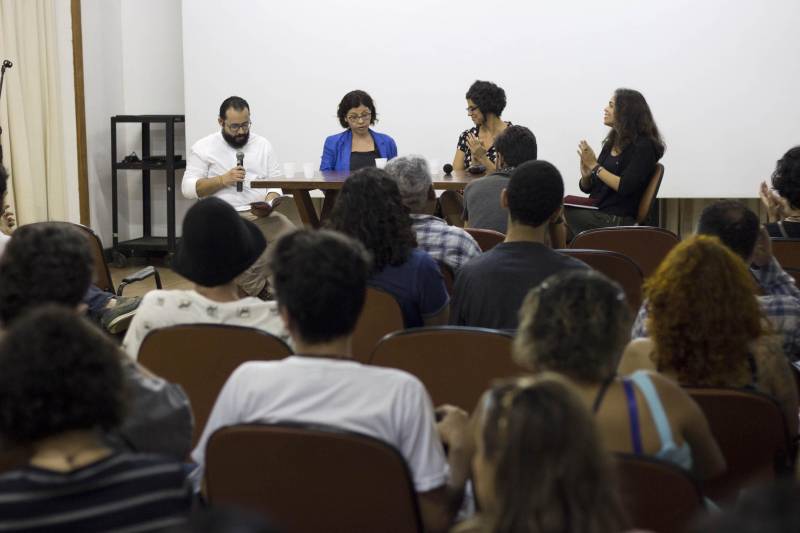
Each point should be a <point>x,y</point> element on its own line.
<point>239,163</point>
<point>448,169</point>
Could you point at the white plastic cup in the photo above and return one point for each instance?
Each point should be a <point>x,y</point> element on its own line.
<point>308,170</point>
<point>289,169</point>
<point>380,162</point>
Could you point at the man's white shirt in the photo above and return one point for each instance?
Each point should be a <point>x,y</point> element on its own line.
<point>212,156</point>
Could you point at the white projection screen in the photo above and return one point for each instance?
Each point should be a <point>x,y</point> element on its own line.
<point>722,77</point>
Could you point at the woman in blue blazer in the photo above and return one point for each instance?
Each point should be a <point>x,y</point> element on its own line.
<point>358,146</point>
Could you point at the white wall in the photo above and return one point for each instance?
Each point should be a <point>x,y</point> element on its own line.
<point>721,77</point>
<point>133,65</point>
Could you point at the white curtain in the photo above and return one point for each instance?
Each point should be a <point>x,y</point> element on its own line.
<point>30,111</point>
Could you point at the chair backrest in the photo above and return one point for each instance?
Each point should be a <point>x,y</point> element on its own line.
<point>311,479</point>
<point>456,364</point>
<point>201,358</point>
<point>752,434</point>
<point>617,267</point>
<point>486,238</point>
<point>787,252</point>
<point>646,245</point>
<point>657,495</point>
<point>650,194</point>
<point>381,315</point>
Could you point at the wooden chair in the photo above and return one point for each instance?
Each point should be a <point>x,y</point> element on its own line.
<point>787,252</point>
<point>657,495</point>
<point>752,434</point>
<point>487,238</point>
<point>617,267</point>
<point>381,315</point>
<point>309,479</point>
<point>201,358</point>
<point>102,273</point>
<point>456,364</point>
<point>646,245</point>
<point>649,195</point>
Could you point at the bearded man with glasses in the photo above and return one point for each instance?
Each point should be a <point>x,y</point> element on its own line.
<point>212,169</point>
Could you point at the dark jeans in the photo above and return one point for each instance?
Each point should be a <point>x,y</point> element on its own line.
<point>96,299</point>
<point>579,220</point>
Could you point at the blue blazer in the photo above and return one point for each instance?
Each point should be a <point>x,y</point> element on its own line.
<point>336,152</point>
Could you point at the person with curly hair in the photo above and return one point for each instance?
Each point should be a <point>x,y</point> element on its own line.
<point>485,104</point>
<point>371,210</point>
<point>577,324</point>
<point>540,464</point>
<point>61,389</point>
<point>358,146</point>
<point>50,262</point>
<point>617,178</point>
<point>783,202</point>
<point>707,328</point>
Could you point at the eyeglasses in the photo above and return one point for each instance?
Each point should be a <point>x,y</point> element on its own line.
<point>245,126</point>
<point>358,118</point>
<point>471,109</point>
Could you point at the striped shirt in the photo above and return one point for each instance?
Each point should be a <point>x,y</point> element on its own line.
<point>124,492</point>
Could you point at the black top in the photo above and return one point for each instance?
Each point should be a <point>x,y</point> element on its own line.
<point>129,492</point>
<point>490,288</point>
<point>635,166</point>
<point>363,159</point>
<point>791,230</point>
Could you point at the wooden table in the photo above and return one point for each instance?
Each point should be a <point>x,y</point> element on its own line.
<point>331,181</point>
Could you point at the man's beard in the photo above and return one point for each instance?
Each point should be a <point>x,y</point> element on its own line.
<point>236,141</point>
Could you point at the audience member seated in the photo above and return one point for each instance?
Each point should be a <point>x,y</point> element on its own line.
<point>482,209</point>
<point>369,208</point>
<point>320,282</point>
<point>783,208</point>
<point>489,289</point>
<point>769,509</point>
<point>707,328</point>
<point>447,244</point>
<point>51,263</point>
<point>61,388</point>
<point>216,247</point>
<point>112,312</point>
<point>738,229</point>
<point>540,464</point>
<point>577,324</point>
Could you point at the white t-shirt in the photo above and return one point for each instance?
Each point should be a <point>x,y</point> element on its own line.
<point>212,156</point>
<point>384,403</point>
<point>3,241</point>
<point>160,309</point>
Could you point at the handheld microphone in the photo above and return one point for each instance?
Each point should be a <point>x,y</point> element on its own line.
<point>239,163</point>
<point>448,169</point>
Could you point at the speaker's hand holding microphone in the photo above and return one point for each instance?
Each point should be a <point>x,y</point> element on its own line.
<point>240,166</point>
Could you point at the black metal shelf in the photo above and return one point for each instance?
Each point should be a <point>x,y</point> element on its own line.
<point>148,242</point>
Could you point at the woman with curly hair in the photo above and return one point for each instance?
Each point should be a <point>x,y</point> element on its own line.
<point>485,104</point>
<point>783,202</point>
<point>577,324</point>
<point>62,389</point>
<point>617,178</point>
<point>706,326</point>
<point>358,145</point>
<point>370,209</point>
<point>540,465</point>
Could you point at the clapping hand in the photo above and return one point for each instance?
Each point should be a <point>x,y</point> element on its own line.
<point>476,146</point>
<point>7,220</point>
<point>588,158</point>
<point>776,205</point>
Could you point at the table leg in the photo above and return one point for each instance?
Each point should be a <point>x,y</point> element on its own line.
<point>305,208</point>
<point>327,204</point>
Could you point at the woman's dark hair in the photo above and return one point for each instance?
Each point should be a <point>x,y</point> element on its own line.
<point>44,262</point>
<point>370,209</point>
<point>786,178</point>
<point>352,100</point>
<point>551,471</point>
<point>60,373</point>
<point>490,99</point>
<point>575,323</point>
<point>632,121</point>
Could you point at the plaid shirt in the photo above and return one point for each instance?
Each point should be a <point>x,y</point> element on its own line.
<point>780,303</point>
<point>446,244</point>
